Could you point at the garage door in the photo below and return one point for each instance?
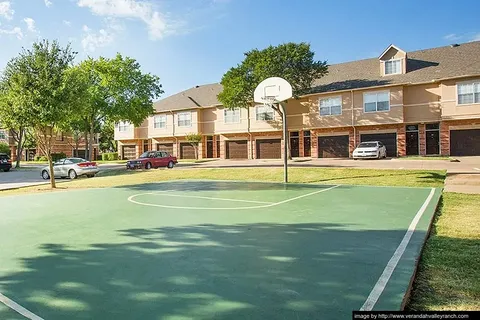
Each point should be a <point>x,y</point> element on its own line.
<point>167,147</point>
<point>128,152</point>
<point>388,139</point>
<point>333,147</point>
<point>269,149</point>
<point>187,151</point>
<point>236,149</point>
<point>465,142</point>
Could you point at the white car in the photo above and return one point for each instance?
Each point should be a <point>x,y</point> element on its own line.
<point>370,150</point>
<point>71,168</point>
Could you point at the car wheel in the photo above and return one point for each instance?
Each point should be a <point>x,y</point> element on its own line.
<point>45,175</point>
<point>170,165</point>
<point>72,174</point>
<point>90,175</point>
<point>6,169</point>
<point>148,166</point>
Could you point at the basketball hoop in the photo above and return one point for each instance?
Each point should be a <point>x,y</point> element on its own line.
<point>271,92</point>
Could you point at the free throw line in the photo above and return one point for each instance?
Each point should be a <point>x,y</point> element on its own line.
<point>18,308</point>
<point>392,264</point>
<point>131,199</point>
<point>207,198</point>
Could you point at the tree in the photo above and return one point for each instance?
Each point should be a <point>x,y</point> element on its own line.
<point>40,90</point>
<point>292,61</point>
<point>4,148</point>
<point>194,139</point>
<point>107,141</point>
<point>117,91</point>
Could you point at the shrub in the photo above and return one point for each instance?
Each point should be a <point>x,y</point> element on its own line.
<point>40,158</point>
<point>58,156</point>
<point>109,156</point>
<point>4,148</point>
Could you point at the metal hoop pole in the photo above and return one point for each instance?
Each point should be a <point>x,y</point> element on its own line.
<point>285,145</point>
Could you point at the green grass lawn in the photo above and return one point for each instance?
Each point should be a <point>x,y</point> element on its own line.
<point>449,270</point>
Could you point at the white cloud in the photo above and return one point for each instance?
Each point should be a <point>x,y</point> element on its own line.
<point>6,11</point>
<point>15,31</point>
<point>452,37</point>
<point>131,9</point>
<point>48,3</point>
<point>475,37</point>
<point>93,40</point>
<point>67,23</point>
<point>30,25</point>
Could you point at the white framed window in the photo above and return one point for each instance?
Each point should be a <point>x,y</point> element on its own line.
<point>468,93</point>
<point>123,126</point>
<point>231,115</point>
<point>393,66</point>
<point>3,135</point>
<point>330,106</point>
<point>376,101</point>
<point>185,119</point>
<point>160,121</point>
<point>263,112</point>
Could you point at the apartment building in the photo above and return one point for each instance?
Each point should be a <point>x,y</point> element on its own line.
<point>425,102</point>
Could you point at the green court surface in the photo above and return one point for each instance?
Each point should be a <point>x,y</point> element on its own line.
<point>211,250</point>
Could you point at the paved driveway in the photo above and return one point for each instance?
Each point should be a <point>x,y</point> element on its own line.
<point>21,178</point>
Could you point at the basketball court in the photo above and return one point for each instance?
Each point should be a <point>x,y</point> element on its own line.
<point>211,250</point>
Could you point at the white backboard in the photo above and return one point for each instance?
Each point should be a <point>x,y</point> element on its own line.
<point>274,88</point>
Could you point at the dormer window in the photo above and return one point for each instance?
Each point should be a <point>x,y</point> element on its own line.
<point>393,66</point>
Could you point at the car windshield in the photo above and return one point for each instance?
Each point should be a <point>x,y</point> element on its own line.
<point>148,154</point>
<point>367,145</point>
<point>4,156</point>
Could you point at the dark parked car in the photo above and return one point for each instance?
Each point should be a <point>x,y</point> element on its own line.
<point>5,162</point>
<point>153,159</point>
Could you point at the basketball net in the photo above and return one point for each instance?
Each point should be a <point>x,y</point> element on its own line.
<point>269,101</point>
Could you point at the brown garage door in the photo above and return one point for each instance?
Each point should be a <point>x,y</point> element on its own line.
<point>269,149</point>
<point>128,152</point>
<point>333,147</point>
<point>167,147</point>
<point>236,149</point>
<point>187,151</point>
<point>388,139</point>
<point>465,142</point>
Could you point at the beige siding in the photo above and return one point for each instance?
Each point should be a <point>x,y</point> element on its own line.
<point>132,132</point>
<point>450,109</point>
<point>161,132</point>
<point>261,125</point>
<point>422,103</point>
<point>395,115</point>
<point>193,128</point>
<point>221,127</point>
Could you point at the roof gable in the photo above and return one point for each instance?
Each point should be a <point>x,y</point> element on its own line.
<point>390,48</point>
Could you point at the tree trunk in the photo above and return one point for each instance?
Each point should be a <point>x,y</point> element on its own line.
<point>86,145</point>
<point>90,153</point>
<point>52,174</point>
<point>196,152</point>
<point>19,148</point>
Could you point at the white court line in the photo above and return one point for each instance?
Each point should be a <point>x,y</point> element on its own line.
<point>478,169</point>
<point>131,199</point>
<point>392,264</point>
<point>208,198</point>
<point>18,308</point>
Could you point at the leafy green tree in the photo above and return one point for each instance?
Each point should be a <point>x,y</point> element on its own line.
<point>107,141</point>
<point>292,61</point>
<point>4,148</point>
<point>194,139</point>
<point>41,91</point>
<point>117,91</point>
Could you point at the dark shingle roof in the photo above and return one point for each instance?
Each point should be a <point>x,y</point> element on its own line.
<point>196,97</point>
<point>422,66</point>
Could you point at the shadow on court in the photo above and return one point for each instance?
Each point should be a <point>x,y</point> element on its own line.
<point>248,271</point>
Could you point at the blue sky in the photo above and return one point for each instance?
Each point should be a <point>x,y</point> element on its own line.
<point>193,42</point>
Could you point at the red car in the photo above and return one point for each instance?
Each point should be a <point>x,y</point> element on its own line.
<point>153,159</point>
